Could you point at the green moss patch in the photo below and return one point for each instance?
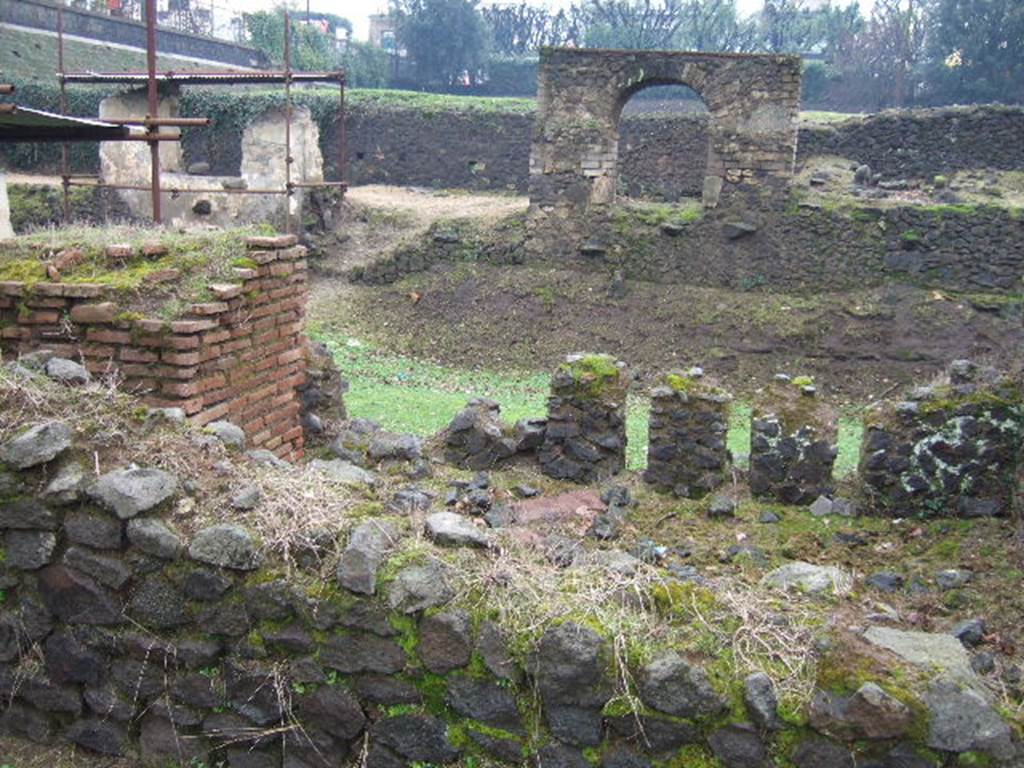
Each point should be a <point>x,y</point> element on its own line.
<point>162,287</point>
<point>594,375</point>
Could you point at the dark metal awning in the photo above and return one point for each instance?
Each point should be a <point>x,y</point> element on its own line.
<point>23,124</point>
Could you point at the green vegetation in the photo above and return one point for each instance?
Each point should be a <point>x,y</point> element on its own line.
<point>199,259</point>
<point>32,56</point>
<point>592,375</point>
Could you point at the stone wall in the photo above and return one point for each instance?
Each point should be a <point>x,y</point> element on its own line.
<point>923,143</point>
<point>952,449</point>
<point>129,628</point>
<point>689,421</point>
<point>224,203</point>
<point>238,357</point>
<point>793,444</point>
<point>664,156</point>
<point>660,156</point>
<point>797,248</point>
<point>753,102</point>
<point>585,436</point>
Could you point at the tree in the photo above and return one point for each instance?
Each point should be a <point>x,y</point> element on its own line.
<point>366,66</point>
<point>788,26</point>
<point>446,38</point>
<point>976,51</point>
<point>880,66</point>
<point>311,49</point>
<point>634,24</point>
<point>517,30</point>
<point>713,25</point>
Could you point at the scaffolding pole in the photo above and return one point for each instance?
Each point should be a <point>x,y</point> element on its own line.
<point>152,122</point>
<point>288,121</point>
<point>65,149</point>
<point>154,108</point>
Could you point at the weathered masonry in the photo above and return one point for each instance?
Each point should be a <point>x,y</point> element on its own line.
<point>238,356</point>
<point>753,102</point>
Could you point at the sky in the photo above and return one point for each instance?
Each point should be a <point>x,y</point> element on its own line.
<point>359,11</point>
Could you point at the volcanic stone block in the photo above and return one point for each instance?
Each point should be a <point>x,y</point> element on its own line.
<point>585,440</point>
<point>792,444</point>
<point>950,449</point>
<point>687,451</point>
<point>478,438</point>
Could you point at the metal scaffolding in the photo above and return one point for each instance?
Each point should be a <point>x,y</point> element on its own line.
<point>152,122</point>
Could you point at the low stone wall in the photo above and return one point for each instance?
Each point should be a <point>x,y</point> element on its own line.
<point>795,248</point>
<point>792,444</point>
<point>664,156</point>
<point>687,451</point>
<point>125,634</point>
<point>238,357</point>
<point>952,449</point>
<point>922,143</point>
<point>948,449</point>
<point>585,436</point>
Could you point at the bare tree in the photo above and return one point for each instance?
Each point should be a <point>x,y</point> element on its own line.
<point>878,66</point>
<point>638,24</point>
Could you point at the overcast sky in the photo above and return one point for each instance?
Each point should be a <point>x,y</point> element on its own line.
<point>358,11</point>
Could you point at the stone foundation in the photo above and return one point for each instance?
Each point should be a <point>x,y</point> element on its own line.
<point>949,449</point>
<point>238,357</point>
<point>125,636</point>
<point>792,444</point>
<point>687,451</point>
<point>585,439</point>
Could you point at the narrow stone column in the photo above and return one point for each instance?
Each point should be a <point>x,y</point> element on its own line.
<point>953,448</point>
<point>792,443</point>
<point>585,438</point>
<point>5,210</point>
<point>686,452</point>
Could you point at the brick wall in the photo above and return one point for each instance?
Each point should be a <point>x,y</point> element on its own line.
<point>239,357</point>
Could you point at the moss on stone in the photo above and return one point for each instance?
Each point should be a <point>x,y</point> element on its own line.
<point>680,382</point>
<point>28,271</point>
<point>434,689</point>
<point>592,375</point>
<point>690,756</point>
<point>945,399</point>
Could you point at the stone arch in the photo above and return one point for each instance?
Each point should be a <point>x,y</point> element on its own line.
<point>752,101</point>
<point>708,164</point>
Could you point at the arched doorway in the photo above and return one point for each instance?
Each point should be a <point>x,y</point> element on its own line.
<point>663,144</point>
<point>752,103</point>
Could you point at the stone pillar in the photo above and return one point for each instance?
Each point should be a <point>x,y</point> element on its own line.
<point>6,232</point>
<point>792,443</point>
<point>949,449</point>
<point>585,439</point>
<point>686,452</point>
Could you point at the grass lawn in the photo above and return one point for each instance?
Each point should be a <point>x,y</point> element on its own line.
<point>29,56</point>
<point>408,395</point>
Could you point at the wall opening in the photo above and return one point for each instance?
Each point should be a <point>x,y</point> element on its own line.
<point>663,144</point>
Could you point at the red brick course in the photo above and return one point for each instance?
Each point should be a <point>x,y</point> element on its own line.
<point>238,358</point>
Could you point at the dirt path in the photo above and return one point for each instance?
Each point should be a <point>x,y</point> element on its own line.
<point>378,218</point>
<point>428,205</point>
